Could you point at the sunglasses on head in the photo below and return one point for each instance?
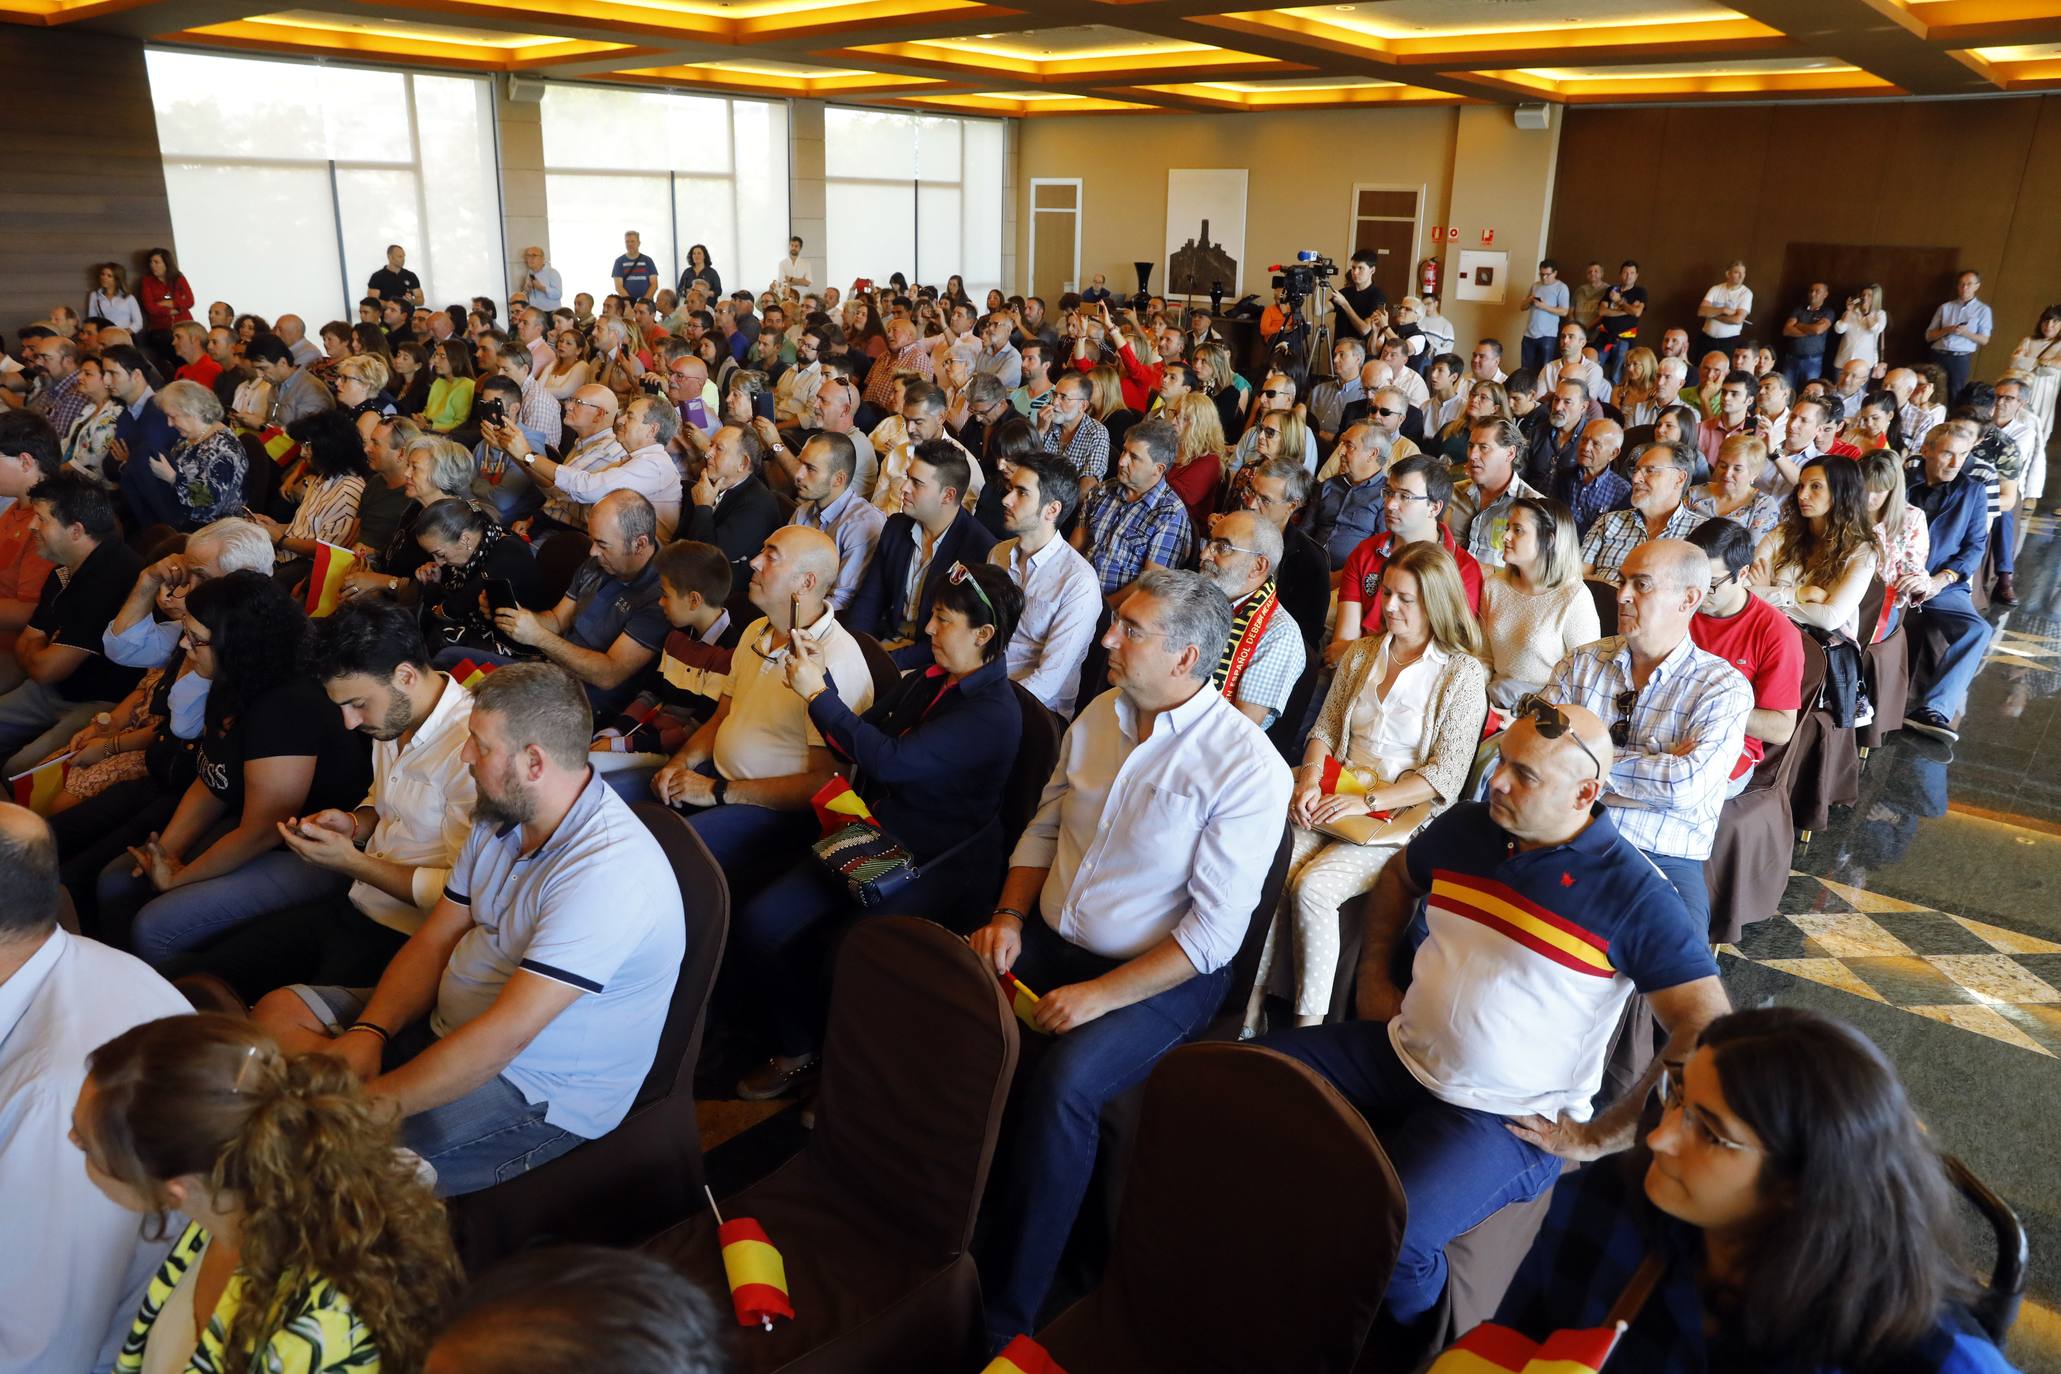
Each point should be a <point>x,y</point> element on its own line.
<point>1551,722</point>
<point>958,573</point>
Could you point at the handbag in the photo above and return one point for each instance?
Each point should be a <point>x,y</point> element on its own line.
<point>1379,827</point>
<point>875,866</point>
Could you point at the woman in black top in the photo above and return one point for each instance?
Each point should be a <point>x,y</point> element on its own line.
<point>413,374</point>
<point>467,550</point>
<point>930,758</point>
<point>274,747</point>
<point>700,269</point>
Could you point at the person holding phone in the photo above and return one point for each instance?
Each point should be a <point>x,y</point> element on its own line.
<point>476,568</point>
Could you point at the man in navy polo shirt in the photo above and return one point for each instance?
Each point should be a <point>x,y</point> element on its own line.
<point>635,274</point>
<point>1539,922</point>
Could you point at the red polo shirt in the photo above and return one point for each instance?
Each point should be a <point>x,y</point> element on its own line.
<point>1360,580</point>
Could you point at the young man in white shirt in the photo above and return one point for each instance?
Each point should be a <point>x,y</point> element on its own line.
<point>1062,596</point>
<point>791,276</point>
<point>1127,897</point>
<point>1725,308</point>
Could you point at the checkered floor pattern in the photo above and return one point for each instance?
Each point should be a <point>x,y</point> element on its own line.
<point>1979,977</point>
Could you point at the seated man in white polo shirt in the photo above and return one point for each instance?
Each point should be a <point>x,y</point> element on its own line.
<point>522,1017</point>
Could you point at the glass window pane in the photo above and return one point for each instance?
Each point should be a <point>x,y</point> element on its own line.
<point>461,250</point>
<point>872,230</point>
<point>585,126</point>
<point>263,238</point>
<point>879,143</point>
<point>219,107</point>
<point>697,133</point>
<point>760,128</point>
<point>379,208</point>
<point>938,249</point>
<point>937,149</point>
<point>707,212</point>
<point>590,214</point>
<point>364,113</point>
<point>981,215</point>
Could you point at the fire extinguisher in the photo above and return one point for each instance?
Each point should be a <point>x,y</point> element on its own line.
<point>1427,277</point>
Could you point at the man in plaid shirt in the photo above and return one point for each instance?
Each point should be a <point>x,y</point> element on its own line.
<point>1240,557</point>
<point>1136,522</point>
<point>1660,479</point>
<point>1677,714</point>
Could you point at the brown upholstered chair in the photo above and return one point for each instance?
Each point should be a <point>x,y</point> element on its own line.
<point>1604,594</point>
<point>874,1215</point>
<point>558,560</point>
<point>1885,672</point>
<point>1286,1272</point>
<point>1094,679</point>
<point>1748,867</point>
<point>646,1173</point>
<point>1036,755</point>
<point>1828,767</point>
<point>885,673</point>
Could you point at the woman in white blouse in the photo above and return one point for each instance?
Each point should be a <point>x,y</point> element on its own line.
<point>1903,541</point>
<point>1860,327</point>
<point>2038,358</point>
<point>1403,716</point>
<point>87,441</point>
<point>111,301</point>
<point>1535,609</point>
<point>1815,567</point>
<point>1733,491</point>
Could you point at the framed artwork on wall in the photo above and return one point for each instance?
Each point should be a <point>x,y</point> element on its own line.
<point>1205,231</point>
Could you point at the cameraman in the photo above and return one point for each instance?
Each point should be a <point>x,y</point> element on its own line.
<point>1359,306</point>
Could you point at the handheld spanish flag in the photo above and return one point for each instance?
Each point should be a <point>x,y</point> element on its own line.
<point>38,787</point>
<point>326,578</point>
<point>1492,1349</point>
<point>838,806</point>
<point>1338,778</point>
<point>1022,1001</point>
<point>1023,1356</point>
<point>757,1274</point>
<point>468,674</point>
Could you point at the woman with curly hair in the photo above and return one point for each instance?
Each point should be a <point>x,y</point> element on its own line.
<point>1815,567</point>
<point>327,487</point>
<point>273,747</point>
<point>311,1244</point>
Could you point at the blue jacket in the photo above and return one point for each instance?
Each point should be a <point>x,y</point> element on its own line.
<point>1957,522</point>
<point>931,763</point>
<point>878,603</point>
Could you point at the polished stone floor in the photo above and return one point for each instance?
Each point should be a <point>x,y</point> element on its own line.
<point>1927,915</point>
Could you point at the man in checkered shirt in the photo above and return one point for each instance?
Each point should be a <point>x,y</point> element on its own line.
<point>1240,557</point>
<point>1677,715</point>
<point>1660,481</point>
<point>1136,522</point>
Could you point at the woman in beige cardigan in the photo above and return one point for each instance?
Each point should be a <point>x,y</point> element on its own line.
<point>1404,715</point>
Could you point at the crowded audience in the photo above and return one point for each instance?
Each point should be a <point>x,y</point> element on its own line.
<point>346,657</point>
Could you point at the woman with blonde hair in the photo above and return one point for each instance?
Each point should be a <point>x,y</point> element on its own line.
<point>1859,328</point>
<point>1199,464</point>
<point>1485,401</point>
<point>1535,609</point>
<point>1222,384</point>
<point>1903,541</point>
<point>1403,717</point>
<point>361,391</point>
<point>1634,395</point>
<point>311,1244</point>
<point>1733,491</point>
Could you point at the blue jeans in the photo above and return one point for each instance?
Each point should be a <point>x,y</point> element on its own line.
<point>1801,370</point>
<point>2003,533</point>
<point>753,844</point>
<point>1458,1166</point>
<point>162,925</point>
<point>1611,355</point>
<point>1535,353</point>
<point>1940,682</point>
<point>1687,877</point>
<point>36,721</point>
<point>1957,367</point>
<point>486,1137</point>
<point>1063,1085</point>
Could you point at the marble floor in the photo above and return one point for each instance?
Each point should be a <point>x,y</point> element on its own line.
<point>1927,915</point>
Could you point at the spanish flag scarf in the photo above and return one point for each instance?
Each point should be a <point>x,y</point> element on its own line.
<point>1247,630</point>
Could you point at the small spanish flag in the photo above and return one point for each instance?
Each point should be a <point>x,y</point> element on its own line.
<point>1338,778</point>
<point>1022,1001</point>
<point>838,806</point>
<point>37,788</point>
<point>757,1274</point>
<point>468,674</point>
<point>1023,1356</point>
<point>326,578</point>
<point>1492,1349</point>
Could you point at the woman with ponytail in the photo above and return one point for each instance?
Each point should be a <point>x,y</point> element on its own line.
<point>312,1244</point>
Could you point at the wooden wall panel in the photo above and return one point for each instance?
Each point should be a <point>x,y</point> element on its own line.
<point>84,181</point>
<point>1685,189</point>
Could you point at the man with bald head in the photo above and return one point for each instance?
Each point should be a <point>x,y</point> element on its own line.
<point>579,476</point>
<point>747,774</point>
<point>1534,905</point>
<point>293,332</point>
<point>1677,714</point>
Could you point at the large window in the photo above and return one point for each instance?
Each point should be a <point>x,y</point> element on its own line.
<point>916,194</point>
<point>289,179</point>
<point>678,169</point>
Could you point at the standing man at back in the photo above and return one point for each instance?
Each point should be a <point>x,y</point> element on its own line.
<point>634,274</point>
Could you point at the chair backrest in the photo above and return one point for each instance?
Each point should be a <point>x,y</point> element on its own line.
<point>1788,763</point>
<point>885,673</point>
<point>1604,594</point>
<point>558,559</point>
<point>1318,1206</point>
<point>1036,754</point>
<point>260,476</point>
<point>1996,1307</point>
<point>1869,619</point>
<point>1245,963</point>
<point>917,1060</point>
<point>1094,679</point>
<point>705,899</point>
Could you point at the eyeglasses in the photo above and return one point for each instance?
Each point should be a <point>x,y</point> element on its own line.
<point>1220,547</point>
<point>1673,1099</point>
<point>1269,432</point>
<point>1398,494</point>
<point>1621,729</point>
<point>1272,391</point>
<point>959,573</point>
<point>1551,722</point>
<point>1385,413</point>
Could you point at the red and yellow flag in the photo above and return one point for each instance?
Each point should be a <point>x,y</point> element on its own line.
<point>757,1274</point>
<point>838,806</point>
<point>1338,778</point>
<point>37,788</point>
<point>468,674</point>
<point>1492,1349</point>
<point>1022,1001</point>
<point>326,578</point>
<point>1023,1356</point>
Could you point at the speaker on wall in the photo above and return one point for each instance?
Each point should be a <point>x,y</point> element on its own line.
<point>1537,116</point>
<point>524,90</point>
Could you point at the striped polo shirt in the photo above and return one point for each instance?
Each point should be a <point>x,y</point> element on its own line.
<point>1525,960</point>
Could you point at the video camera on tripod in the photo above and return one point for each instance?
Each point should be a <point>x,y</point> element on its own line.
<point>1303,277</point>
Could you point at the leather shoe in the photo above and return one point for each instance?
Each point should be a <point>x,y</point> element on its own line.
<point>1931,723</point>
<point>2003,592</point>
<point>771,1079</point>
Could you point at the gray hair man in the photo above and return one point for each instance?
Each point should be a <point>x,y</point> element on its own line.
<point>1263,654</point>
<point>1660,481</point>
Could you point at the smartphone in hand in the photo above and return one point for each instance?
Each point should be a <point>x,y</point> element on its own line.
<point>501,594</point>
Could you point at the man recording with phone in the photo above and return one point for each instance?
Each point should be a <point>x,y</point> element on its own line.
<point>1359,305</point>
